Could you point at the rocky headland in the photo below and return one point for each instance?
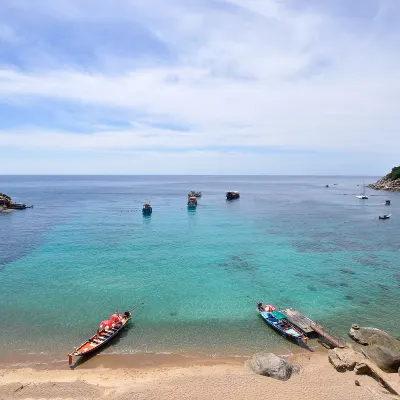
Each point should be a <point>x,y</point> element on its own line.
<point>390,182</point>
<point>7,204</point>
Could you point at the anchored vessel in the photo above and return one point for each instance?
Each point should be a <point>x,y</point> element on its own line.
<point>192,202</point>
<point>147,209</point>
<point>362,195</point>
<point>193,193</point>
<point>108,329</point>
<point>385,216</point>
<point>278,321</point>
<point>232,195</point>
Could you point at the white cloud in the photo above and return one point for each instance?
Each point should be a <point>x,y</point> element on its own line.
<point>249,73</point>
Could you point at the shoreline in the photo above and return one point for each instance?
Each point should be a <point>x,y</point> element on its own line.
<point>137,360</point>
<point>171,376</point>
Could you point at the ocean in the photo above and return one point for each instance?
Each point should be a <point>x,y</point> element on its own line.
<point>85,249</point>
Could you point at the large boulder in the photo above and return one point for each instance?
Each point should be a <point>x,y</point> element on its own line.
<point>378,346</point>
<point>269,364</point>
<point>343,359</point>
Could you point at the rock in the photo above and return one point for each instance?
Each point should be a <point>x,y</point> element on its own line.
<point>357,383</point>
<point>269,364</point>
<point>386,359</point>
<point>343,359</point>
<point>386,184</point>
<point>378,346</point>
<point>362,369</point>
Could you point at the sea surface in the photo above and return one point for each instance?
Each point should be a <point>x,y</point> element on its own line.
<point>85,249</point>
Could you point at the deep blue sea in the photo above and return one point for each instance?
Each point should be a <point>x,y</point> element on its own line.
<point>86,249</point>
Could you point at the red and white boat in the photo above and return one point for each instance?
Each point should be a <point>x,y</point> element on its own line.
<point>108,329</point>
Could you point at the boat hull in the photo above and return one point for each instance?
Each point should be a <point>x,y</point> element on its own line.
<point>290,333</point>
<point>98,341</point>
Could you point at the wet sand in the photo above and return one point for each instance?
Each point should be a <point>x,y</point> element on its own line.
<point>171,376</point>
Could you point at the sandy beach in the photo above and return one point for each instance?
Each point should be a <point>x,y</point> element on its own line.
<point>177,377</point>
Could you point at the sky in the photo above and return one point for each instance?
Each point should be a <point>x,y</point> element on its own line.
<point>199,87</point>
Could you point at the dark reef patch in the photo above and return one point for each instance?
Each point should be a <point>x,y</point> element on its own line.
<point>347,271</point>
<point>300,275</point>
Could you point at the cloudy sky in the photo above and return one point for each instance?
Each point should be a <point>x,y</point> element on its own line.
<point>199,86</point>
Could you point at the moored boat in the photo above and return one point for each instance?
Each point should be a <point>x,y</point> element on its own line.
<point>193,193</point>
<point>278,321</point>
<point>108,330</point>
<point>232,195</point>
<point>192,202</point>
<point>147,209</point>
<point>362,195</point>
<point>385,216</point>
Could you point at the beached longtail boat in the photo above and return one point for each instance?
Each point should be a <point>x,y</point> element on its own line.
<point>279,322</point>
<point>108,329</point>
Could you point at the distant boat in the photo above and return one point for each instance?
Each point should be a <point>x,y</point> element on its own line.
<point>387,202</point>
<point>385,216</point>
<point>194,194</point>
<point>278,321</point>
<point>362,195</point>
<point>232,195</point>
<point>147,209</point>
<point>192,202</point>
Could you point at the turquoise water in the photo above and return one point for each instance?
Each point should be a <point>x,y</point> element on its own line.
<point>86,249</point>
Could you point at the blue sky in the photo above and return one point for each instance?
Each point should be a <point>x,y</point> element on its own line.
<point>202,87</point>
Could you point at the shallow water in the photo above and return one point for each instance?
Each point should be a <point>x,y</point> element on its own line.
<point>85,249</point>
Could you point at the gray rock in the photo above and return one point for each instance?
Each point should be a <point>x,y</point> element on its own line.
<point>378,346</point>
<point>269,364</point>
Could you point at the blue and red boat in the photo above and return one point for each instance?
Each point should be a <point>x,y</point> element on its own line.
<point>278,321</point>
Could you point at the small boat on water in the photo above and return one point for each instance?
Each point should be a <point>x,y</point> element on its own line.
<point>278,321</point>
<point>232,195</point>
<point>362,195</point>
<point>193,193</point>
<point>192,202</point>
<point>108,330</point>
<point>387,202</point>
<point>147,209</point>
<point>385,216</point>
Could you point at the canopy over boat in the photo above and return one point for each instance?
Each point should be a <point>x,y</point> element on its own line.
<point>278,315</point>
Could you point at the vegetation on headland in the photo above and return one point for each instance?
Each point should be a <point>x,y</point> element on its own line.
<point>395,174</point>
<point>389,182</point>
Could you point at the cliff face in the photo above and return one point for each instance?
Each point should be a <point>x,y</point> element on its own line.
<point>390,182</point>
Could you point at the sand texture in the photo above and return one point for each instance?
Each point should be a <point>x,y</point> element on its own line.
<point>189,379</point>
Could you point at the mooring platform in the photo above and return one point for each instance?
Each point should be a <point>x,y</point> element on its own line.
<point>311,328</point>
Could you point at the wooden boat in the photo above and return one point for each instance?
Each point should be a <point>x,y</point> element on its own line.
<point>192,202</point>
<point>232,195</point>
<point>101,337</point>
<point>278,321</point>
<point>147,209</point>
<point>385,216</point>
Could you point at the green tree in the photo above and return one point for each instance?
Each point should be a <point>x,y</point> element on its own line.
<point>395,174</point>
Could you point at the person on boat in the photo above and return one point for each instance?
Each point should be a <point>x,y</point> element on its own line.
<point>260,306</point>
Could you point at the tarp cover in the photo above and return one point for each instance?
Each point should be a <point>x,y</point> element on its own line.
<point>278,315</point>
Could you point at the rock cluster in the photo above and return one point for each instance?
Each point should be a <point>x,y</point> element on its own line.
<point>386,184</point>
<point>269,364</point>
<point>378,346</point>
